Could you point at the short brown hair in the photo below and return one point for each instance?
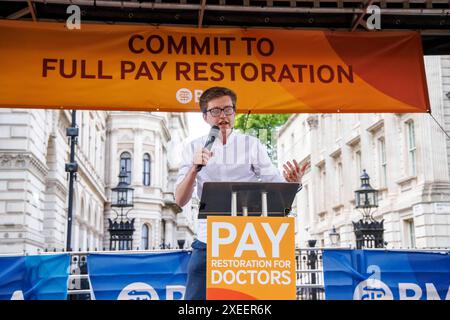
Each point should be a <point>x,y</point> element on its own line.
<point>213,93</point>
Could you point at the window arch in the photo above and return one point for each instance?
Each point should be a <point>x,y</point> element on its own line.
<point>125,162</point>
<point>145,236</point>
<point>146,169</point>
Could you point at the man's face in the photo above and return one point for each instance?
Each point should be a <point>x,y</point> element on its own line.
<point>223,121</point>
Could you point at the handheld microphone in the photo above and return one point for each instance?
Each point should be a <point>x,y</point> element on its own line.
<point>213,134</point>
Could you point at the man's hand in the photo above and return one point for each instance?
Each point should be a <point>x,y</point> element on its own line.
<point>293,172</point>
<point>202,156</point>
<point>183,193</point>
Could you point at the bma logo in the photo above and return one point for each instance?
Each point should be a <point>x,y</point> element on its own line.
<point>138,291</point>
<point>144,291</point>
<point>184,95</point>
<point>17,295</point>
<point>373,288</point>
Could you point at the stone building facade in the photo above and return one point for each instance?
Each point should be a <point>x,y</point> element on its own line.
<point>407,157</point>
<point>34,185</point>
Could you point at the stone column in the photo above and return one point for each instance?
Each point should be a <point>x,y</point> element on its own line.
<point>158,161</point>
<point>113,172</point>
<point>137,158</point>
<point>169,233</point>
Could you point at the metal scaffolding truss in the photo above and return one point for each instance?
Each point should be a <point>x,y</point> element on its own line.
<point>430,17</point>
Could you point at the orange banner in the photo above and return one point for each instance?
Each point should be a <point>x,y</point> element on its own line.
<point>250,258</point>
<point>128,67</point>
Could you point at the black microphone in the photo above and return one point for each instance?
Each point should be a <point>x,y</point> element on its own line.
<point>213,134</point>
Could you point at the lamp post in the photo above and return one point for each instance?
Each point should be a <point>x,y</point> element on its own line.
<point>312,266</point>
<point>121,229</point>
<point>368,231</point>
<point>71,168</point>
<point>334,237</point>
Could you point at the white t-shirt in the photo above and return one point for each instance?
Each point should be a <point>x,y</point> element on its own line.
<point>242,159</point>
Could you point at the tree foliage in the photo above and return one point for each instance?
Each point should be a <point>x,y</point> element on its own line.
<point>264,127</point>
<point>261,121</point>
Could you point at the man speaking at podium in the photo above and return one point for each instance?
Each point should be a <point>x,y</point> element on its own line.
<point>232,157</point>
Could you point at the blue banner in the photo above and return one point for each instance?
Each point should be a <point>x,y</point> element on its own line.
<point>41,277</point>
<point>386,275</point>
<point>151,276</point>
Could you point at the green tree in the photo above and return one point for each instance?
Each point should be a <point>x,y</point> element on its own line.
<point>264,127</point>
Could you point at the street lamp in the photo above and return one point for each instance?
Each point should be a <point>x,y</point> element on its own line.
<point>312,265</point>
<point>122,195</point>
<point>181,243</point>
<point>368,231</point>
<point>121,228</point>
<point>334,237</point>
<point>366,197</point>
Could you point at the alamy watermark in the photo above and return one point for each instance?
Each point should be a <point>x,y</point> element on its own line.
<point>74,20</point>
<point>374,20</point>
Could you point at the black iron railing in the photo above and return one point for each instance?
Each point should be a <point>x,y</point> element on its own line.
<point>309,270</point>
<point>309,275</point>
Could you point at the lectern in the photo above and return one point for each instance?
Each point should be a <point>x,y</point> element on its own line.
<point>251,245</point>
<point>247,199</point>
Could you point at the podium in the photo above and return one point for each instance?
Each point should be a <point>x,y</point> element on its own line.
<point>247,199</point>
<point>251,245</point>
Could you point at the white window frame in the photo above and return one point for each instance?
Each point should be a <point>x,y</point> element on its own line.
<point>412,149</point>
<point>382,161</point>
<point>146,174</point>
<point>128,170</point>
<point>147,245</point>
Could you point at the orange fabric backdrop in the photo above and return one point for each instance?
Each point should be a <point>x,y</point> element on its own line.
<point>124,67</point>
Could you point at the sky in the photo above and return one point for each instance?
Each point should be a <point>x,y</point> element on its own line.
<point>197,126</point>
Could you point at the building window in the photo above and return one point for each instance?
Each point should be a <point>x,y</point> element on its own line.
<point>145,237</point>
<point>411,148</point>
<point>410,235</point>
<point>146,172</point>
<point>383,163</point>
<point>125,162</point>
<point>163,233</point>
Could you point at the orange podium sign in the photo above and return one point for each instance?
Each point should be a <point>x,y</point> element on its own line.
<point>250,258</point>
